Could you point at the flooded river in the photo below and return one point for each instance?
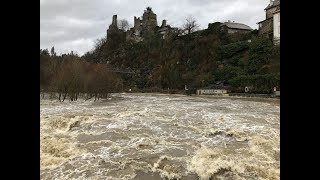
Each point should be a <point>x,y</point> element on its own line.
<point>158,136</point>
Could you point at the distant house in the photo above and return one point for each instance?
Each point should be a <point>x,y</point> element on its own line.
<point>232,27</point>
<point>270,27</point>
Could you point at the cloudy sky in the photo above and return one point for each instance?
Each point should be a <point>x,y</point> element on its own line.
<point>76,24</point>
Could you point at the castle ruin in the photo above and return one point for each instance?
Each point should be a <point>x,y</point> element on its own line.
<point>114,34</point>
<point>143,27</point>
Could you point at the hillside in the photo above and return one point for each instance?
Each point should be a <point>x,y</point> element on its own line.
<point>199,59</point>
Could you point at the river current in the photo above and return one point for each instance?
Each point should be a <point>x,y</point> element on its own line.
<point>160,136</point>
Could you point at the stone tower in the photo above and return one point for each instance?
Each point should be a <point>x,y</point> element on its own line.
<point>146,26</point>
<point>137,26</point>
<point>149,22</point>
<point>137,22</point>
<point>114,24</point>
<point>164,23</point>
<point>114,34</point>
<point>149,19</point>
<point>114,21</point>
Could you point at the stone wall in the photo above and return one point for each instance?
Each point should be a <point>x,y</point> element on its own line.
<point>266,27</point>
<point>269,12</point>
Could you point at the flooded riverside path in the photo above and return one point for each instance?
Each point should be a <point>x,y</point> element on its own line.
<point>159,136</point>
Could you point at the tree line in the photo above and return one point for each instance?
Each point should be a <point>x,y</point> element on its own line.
<point>69,76</point>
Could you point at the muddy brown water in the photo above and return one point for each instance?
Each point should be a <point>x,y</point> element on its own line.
<point>158,136</point>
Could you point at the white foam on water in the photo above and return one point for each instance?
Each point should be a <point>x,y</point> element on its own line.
<point>172,135</point>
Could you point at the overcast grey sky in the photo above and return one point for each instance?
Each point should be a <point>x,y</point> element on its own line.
<point>76,24</point>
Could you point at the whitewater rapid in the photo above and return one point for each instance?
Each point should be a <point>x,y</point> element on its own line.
<point>158,136</point>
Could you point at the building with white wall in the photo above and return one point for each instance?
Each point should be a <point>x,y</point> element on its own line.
<point>232,27</point>
<point>276,27</point>
<point>270,27</point>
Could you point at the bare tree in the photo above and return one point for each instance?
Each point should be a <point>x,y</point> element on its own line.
<point>99,42</point>
<point>177,31</point>
<point>190,25</point>
<point>123,24</point>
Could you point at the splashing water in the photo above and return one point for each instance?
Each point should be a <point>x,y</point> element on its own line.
<point>156,136</point>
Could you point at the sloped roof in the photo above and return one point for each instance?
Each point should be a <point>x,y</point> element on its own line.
<point>270,18</point>
<point>275,3</point>
<point>236,25</point>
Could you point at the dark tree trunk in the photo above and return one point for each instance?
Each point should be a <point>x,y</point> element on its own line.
<point>64,97</point>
